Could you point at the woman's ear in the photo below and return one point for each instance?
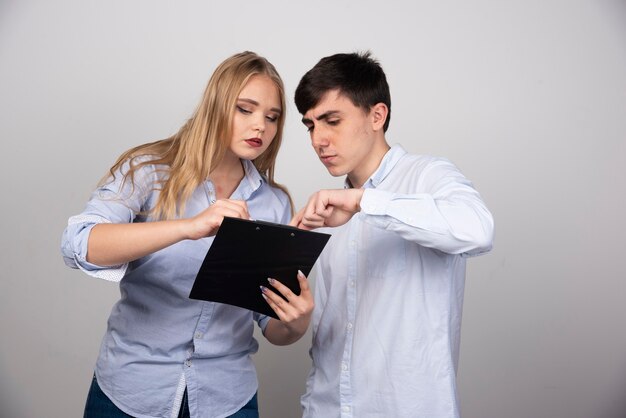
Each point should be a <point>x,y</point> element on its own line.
<point>379,114</point>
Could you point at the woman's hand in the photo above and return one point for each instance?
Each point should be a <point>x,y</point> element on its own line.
<point>207,222</point>
<point>294,313</point>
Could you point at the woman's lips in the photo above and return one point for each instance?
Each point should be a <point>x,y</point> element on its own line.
<point>255,142</point>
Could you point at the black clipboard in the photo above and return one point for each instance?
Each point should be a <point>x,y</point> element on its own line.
<point>245,253</point>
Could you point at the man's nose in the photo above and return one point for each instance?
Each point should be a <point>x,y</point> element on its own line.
<point>319,138</point>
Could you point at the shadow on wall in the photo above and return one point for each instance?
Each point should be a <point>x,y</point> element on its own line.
<point>616,405</point>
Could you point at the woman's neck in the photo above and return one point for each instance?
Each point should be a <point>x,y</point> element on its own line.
<point>227,176</point>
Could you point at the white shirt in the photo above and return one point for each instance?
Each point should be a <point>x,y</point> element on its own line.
<point>389,294</point>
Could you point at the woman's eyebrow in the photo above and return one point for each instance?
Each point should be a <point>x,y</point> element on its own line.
<point>254,102</point>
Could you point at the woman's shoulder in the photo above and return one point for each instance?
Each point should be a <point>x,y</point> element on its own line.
<point>135,173</point>
<point>278,200</point>
<point>142,166</point>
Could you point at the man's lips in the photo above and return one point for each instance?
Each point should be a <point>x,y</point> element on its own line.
<point>327,159</point>
<point>254,142</point>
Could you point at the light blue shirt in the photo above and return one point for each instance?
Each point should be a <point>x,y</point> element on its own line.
<point>158,341</point>
<point>389,293</point>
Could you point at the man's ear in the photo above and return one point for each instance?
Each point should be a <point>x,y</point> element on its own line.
<point>379,113</point>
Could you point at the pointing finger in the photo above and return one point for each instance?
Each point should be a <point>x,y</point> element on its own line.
<point>295,221</point>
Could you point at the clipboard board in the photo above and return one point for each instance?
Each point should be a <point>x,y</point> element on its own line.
<point>245,253</point>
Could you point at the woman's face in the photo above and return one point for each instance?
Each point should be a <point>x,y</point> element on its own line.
<point>256,117</point>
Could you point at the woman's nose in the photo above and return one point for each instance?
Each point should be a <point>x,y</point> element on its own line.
<point>259,124</point>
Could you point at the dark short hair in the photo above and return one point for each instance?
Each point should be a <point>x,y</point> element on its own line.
<point>357,76</point>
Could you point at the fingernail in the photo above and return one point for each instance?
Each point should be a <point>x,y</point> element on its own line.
<point>269,279</point>
<point>301,274</point>
<point>264,297</point>
<point>263,289</point>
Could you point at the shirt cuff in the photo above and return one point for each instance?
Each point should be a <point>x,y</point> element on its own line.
<point>263,320</point>
<point>374,205</point>
<point>375,202</point>
<point>109,273</point>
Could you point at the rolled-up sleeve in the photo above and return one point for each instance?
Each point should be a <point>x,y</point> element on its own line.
<point>74,248</point>
<point>114,202</point>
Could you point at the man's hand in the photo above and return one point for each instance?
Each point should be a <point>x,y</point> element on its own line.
<point>328,208</point>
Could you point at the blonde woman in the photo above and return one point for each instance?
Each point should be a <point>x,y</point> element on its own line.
<point>149,225</point>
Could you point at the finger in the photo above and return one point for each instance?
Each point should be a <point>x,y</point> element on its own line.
<point>279,313</point>
<point>295,221</point>
<point>304,227</point>
<point>310,215</point>
<point>308,226</point>
<point>284,290</point>
<point>279,305</point>
<point>221,212</point>
<point>241,203</point>
<point>312,223</point>
<point>323,206</point>
<point>303,282</point>
<point>297,305</point>
<point>238,206</point>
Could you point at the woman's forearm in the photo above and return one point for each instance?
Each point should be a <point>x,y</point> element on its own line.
<point>114,244</point>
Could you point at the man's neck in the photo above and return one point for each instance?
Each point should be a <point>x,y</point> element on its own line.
<point>359,176</point>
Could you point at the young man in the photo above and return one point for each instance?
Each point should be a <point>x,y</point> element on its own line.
<point>389,284</point>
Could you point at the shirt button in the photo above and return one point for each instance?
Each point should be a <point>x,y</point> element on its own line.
<point>351,283</point>
<point>346,409</point>
<point>198,335</point>
<point>188,363</point>
<point>349,325</point>
<point>344,367</point>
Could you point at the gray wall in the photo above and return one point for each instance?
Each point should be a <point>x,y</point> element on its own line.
<point>527,97</point>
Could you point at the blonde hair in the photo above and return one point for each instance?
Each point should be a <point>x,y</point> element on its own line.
<point>201,143</point>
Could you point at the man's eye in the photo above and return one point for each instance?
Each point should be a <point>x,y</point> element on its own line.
<point>309,128</point>
<point>244,111</point>
<point>333,122</point>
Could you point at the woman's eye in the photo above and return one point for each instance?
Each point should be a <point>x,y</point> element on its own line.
<point>243,110</point>
<point>272,118</point>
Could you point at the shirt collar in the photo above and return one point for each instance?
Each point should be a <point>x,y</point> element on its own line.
<point>250,182</point>
<point>391,158</point>
<point>253,179</point>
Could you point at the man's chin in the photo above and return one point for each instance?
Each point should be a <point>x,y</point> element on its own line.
<point>335,171</point>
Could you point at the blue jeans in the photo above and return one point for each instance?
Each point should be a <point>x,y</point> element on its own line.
<point>100,406</point>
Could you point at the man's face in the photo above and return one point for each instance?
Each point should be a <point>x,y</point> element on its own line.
<point>343,137</point>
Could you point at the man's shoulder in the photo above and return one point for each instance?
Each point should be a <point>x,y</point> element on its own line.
<point>420,161</point>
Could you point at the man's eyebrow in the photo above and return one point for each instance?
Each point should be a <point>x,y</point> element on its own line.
<point>323,116</point>
<point>255,103</point>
